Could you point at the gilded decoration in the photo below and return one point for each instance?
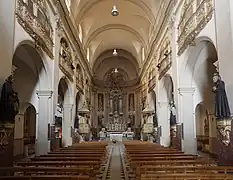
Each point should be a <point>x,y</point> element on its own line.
<point>152,79</point>
<point>65,60</point>
<point>164,62</point>
<point>195,15</point>
<point>36,23</point>
<point>79,78</point>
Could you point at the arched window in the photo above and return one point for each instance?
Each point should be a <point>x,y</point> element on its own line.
<point>80,33</point>
<point>143,54</point>
<point>88,54</point>
<point>68,4</point>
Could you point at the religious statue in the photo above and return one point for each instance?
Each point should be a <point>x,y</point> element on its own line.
<point>9,103</point>
<point>100,121</point>
<point>172,114</point>
<point>82,120</point>
<point>76,122</point>
<point>222,110</point>
<point>102,134</point>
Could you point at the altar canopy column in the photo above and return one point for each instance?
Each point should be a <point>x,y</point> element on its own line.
<point>120,105</point>
<point>94,110</point>
<point>42,140</point>
<point>187,117</point>
<point>164,122</point>
<point>110,105</point>
<point>67,124</point>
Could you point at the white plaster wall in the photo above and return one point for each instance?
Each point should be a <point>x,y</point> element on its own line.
<point>7,19</point>
<point>223,20</point>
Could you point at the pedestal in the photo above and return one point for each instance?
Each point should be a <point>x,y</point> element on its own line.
<point>6,144</point>
<point>178,136</point>
<point>224,142</point>
<point>173,131</point>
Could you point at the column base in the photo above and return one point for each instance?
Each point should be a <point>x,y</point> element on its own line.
<point>224,143</point>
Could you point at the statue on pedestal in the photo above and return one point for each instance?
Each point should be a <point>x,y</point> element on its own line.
<point>222,110</point>
<point>102,134</point>
<point>9,103</point>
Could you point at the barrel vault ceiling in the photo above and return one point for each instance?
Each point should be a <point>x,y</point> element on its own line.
<point>130,31</point>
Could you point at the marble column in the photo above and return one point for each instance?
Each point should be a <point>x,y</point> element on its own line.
<point>42,142</point>
<point>110,105</point>
<point>164,122</point>
<point>187,117</point>
<point>67,124</point>
<point>120,105</point>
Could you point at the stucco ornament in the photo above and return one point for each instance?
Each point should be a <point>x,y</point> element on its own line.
<point>222,110</point>
<point>224,129</point>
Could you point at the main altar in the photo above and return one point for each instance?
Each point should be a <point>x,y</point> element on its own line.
<point>116,107</point>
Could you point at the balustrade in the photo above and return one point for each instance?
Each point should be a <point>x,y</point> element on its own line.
<point>195,16</point>
<point>40,30</point>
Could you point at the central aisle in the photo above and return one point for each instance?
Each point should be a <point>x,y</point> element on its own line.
<point>115,168</point>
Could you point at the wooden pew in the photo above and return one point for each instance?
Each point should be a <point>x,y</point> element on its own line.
<point>81,161</point>
<point>150,161</point>
<point>46,177</point>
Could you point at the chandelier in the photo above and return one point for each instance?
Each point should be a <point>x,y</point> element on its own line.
<point>114,10</point>
<point>114,52</point>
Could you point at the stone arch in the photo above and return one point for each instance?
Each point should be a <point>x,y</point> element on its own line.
<point>165,97</point>
<point>197,72</point>
<point>30,129</point>
<point>166,89</point>
<point>64,88</point>
<point>65,103</point>
<point>39,59</point>
<point>31,74</point>
<point>204,49</point>
<point>202,119</point>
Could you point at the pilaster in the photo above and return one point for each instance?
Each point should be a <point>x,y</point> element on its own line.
<point>67,123</point>
<point>189,143</point>
<point>42,142</point>
<point>164,122</point>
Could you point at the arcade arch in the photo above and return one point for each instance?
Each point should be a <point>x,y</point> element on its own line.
<point>30,78</point>
<point>64,116</point>
<point>197,74</point>
<point>165,99</point>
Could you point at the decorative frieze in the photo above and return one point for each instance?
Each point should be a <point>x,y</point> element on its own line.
<point>195,15</point>
<point>164,62</point>
<point>37,26</point>
<point>65,60</point>
<point>79,78</point>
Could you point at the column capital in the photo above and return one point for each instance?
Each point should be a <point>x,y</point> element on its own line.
<point>44,93</point>
<point>189,90</point>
